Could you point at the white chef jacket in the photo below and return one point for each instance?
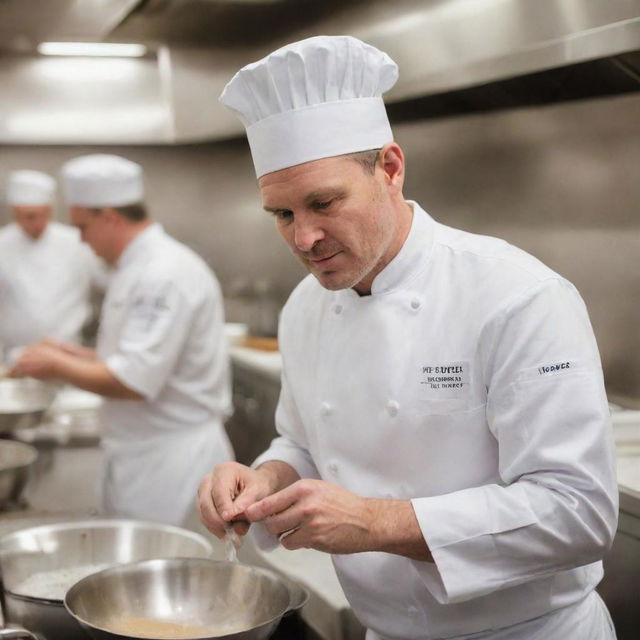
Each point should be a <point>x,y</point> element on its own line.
<point>468,382</point>
<point>161,334</point>
<point>45,284</point>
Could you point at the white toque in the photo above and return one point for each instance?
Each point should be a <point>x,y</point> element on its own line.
<point>312,99</point>
<point>26,187</point>
<point>102,180</point>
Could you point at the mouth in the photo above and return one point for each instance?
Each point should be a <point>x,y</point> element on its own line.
<point>325,263</point>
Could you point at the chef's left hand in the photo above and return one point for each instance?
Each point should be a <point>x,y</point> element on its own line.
<point>37,361</point>
<point>322,515</point>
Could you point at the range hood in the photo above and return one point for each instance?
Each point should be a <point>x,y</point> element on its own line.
<point>455,56</point>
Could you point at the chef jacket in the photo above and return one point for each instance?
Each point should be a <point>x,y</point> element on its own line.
<point>45,284</point>
<point>468,382</point>
<point>161,334</point>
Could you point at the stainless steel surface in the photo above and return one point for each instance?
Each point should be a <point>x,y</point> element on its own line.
<point>229,600</point>
<point>23,402</point>
<point>16,458</point>
<point>169,96</point>
<point>67,545</point>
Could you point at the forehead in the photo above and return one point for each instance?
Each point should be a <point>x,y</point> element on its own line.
<point>81,215</point>
<point>309,177</point>
<point>31,210</point>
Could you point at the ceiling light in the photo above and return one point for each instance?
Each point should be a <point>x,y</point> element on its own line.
<point>108,49</point>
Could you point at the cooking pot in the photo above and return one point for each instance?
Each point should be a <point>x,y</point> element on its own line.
<point>23,402</point>
<point>15,460</point>
<point>183,598</point>
<point>39,564</point>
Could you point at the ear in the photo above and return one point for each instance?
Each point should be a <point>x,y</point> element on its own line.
<point>392,164</point>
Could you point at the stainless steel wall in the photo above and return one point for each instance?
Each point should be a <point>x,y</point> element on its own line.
<point>559,181</point>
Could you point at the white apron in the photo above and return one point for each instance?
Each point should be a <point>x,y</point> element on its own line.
<point>588,619</point>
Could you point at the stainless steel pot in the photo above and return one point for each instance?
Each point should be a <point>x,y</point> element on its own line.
<point>23,402</point>
<point>15,460</point>
<point>50,549</point>
<point>183,598</point>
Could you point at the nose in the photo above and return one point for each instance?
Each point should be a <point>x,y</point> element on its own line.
<point>306,232</point>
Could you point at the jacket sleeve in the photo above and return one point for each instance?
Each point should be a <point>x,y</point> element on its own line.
<point>555,507</point>
<point>291,445</point>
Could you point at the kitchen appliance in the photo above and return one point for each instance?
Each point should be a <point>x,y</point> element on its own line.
<point>193,597</point>
<point>16,458</point>
<point>23,402</point>
<point>56,548</point>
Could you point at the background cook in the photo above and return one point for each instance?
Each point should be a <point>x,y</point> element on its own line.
<point>161,359</point>
<point>46,274</point>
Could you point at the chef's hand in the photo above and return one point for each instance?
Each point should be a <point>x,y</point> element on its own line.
<point>68,347</point>
<point>37,361</point>
<point>225,493</point>
<point>323,516</point>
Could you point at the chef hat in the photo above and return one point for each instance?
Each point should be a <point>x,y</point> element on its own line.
<point>313,99</point>
<point>102,180</point>
<point>30,188</point>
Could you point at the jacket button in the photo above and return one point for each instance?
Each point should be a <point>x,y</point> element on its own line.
<point>337,309</point>
<point>415,303</point>
<point>333,467</point>
<point>393,407</point>
<point>411,610</point>
<point>325,409</point>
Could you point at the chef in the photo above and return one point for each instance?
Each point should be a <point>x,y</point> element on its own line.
<point>46,273</point>
<point>443,426</point>
<point>161,359</point>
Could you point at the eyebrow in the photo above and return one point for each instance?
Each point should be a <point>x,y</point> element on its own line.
<point>315,196</point>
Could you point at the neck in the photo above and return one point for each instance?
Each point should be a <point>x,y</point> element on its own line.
<point>130,231</point>
<point>404,217</point>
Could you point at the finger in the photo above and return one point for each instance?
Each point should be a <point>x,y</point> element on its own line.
<point>292,539</point>
<point>208,512</point>
<point>273,504</point>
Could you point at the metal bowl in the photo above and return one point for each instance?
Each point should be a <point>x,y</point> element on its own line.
<point>44,553</point>
<point>23,402</point>
<point>183,598</point>
<point>15,460</point>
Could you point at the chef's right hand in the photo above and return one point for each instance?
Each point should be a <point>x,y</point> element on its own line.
<point>225,493</point>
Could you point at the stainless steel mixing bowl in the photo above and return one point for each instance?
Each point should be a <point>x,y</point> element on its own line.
<point>23,402</point>
<point>15,460</point>
<point>54,548</point>
<point>183,598</point>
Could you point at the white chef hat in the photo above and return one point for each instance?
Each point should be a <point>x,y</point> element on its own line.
<point>316,98</point>
<point>102,180</point>
<point>30,188</point>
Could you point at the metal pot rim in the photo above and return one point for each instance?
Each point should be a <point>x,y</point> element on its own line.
<point>98,523</point>
<point>210,561</point>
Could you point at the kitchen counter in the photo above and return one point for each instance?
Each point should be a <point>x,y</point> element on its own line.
<point>267,363</point>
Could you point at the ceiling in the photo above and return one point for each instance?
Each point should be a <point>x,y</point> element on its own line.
<point>455,56</point>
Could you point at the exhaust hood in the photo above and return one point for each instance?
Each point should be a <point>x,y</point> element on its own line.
<point>455,56</point>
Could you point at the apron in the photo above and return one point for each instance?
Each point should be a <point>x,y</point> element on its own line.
<point>587,619</point>
<point>157,478</point>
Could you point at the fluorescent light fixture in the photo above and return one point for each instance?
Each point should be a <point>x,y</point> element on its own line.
<point>91,49</point>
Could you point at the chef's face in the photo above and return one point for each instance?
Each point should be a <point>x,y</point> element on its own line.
<point>344,223</point>
<point>96,229</point>
<point>32,219</point>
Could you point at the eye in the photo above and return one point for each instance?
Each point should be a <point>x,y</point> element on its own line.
<point>283,215</point>
<point>322,205</point>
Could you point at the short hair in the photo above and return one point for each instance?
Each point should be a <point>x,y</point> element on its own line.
<point>135,212</point>
<point>366,159</point>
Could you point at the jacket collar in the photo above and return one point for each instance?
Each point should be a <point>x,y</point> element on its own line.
<point>139,244</point>
<point>410,261</point>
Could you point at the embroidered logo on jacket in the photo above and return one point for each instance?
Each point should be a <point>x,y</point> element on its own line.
<point>445,378</point>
